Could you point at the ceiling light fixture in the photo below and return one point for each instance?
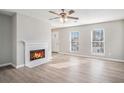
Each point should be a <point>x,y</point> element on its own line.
<point>64,15</point>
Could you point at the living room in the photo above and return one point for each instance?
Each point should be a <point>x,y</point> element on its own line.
<point>85,47</point>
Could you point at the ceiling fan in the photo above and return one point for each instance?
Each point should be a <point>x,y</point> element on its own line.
<point>64,15</point>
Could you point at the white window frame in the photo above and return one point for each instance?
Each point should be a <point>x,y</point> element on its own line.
<point>98,54</point>
<point>78,41</point>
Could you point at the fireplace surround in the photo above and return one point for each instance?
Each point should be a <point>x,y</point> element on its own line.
<point>36,53</point>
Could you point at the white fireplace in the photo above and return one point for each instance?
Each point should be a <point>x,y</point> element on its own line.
<point>36,53</point>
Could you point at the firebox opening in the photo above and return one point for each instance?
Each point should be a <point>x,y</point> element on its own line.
<point>37,54</point>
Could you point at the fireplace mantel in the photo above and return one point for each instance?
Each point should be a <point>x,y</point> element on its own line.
<point>34,42</point>
<point>29,46</point>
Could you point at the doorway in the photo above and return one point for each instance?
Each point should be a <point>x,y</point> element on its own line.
<point>55,41</point>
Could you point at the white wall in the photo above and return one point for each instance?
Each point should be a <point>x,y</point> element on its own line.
<point>114,39</point>
<point>14,40</point>
<point>5,39</point>
<point>31,29</point>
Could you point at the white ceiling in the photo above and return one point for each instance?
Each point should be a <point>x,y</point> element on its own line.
<point>86,16</point>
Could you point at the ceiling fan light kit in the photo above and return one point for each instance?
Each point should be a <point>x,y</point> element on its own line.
<point>63,20</point>
<point>64,15</point>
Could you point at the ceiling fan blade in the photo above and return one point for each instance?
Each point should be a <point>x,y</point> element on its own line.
<point>71,12</point>
<point>53,12</point>
<point>76,18</point>
<point>54,18</point>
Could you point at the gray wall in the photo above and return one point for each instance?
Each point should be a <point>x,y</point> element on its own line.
<point>31,29</point>
<point>14,39</point>
<point>114,39</point>
<point>5,39</point>
<point>17,28</point>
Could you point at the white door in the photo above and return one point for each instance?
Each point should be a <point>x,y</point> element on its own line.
<point>55,41</point>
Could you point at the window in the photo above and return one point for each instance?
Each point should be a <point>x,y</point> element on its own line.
<point>97,42</point>
<point>74,42</point>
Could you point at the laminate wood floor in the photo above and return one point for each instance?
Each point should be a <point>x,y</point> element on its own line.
<point>66,69</point>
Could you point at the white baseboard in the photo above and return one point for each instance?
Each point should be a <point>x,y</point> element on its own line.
<point>6,64</point>
<point>108,59</point>
<point>19,66</point>
<point>22,65</point>
<point>13,65</point>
